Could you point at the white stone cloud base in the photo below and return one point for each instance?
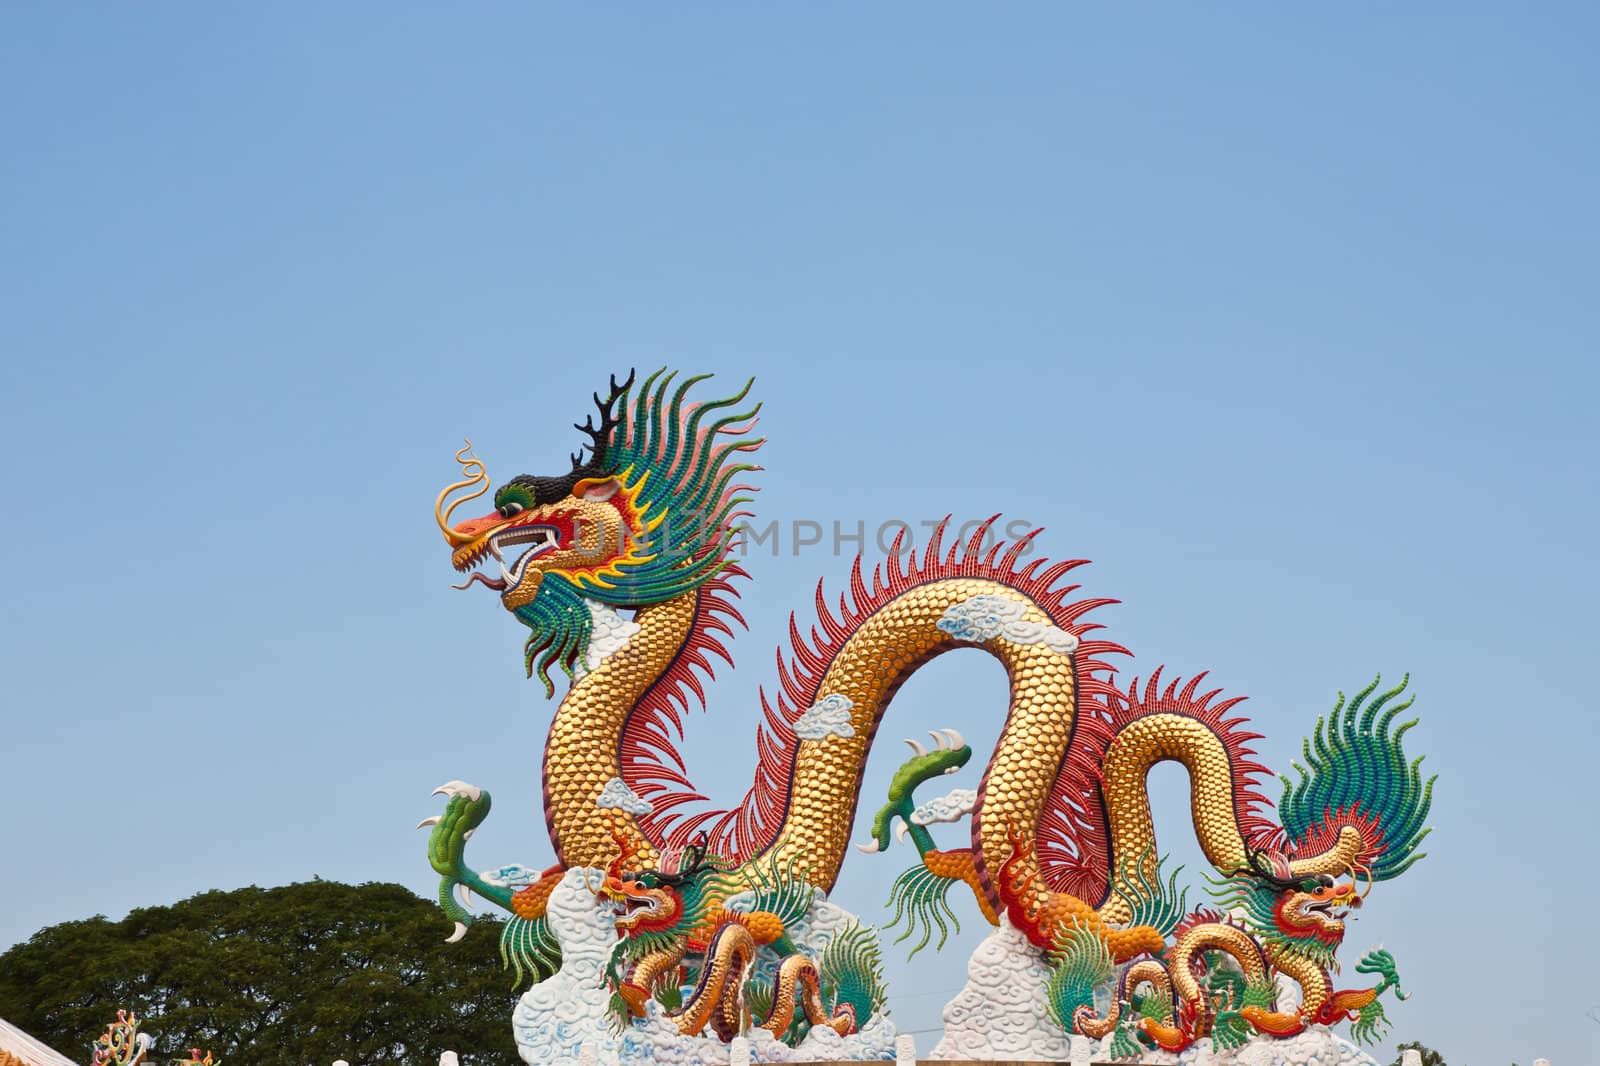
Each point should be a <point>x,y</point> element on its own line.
<point>560,1018</point>
<point>1002,1013</point>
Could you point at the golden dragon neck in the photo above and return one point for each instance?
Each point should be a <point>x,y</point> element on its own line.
<point>583,752</point>
<point>1315,986</point>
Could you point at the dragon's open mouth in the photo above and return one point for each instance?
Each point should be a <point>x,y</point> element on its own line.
<point>1329,911</point>
<point>627,910</point>
<point>540,538</point>
<point>635,905</point>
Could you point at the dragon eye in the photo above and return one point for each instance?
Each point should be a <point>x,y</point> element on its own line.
<point>510,509</point>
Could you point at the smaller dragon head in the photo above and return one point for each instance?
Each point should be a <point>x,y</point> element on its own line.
<point>1354,817</point>
<point>642,906</point>
<point>656,903</point>
<point>1318,911</point>
<point>1291,914</point>
<point>1300,908</point>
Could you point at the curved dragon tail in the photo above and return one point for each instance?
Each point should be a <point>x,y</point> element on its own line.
<point>852,975</point>
<point>1082,965</point>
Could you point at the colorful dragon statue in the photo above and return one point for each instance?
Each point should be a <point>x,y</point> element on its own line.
<point>624,569</point>
<point>665,916</point>
<point>122,1044</point>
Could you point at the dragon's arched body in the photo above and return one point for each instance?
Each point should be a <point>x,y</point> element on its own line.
<point>1061,833</point>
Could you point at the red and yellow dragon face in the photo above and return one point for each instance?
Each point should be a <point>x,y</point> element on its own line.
<point>1316,912</point>
<point>644,905</point>
<point>582,524</point>
<point>648,516</point>
<point>648,901</point>
<point>642,908</point>
<point>585,535</point>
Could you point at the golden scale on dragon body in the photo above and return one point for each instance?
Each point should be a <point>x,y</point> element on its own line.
<point>672,930</point>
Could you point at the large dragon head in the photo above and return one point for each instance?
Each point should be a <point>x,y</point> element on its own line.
<point>645,517</point>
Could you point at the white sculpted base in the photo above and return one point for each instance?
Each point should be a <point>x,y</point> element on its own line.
<point>1002,1013</point>
<point>559,1016</point>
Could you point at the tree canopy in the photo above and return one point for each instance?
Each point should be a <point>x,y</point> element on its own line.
<point>306,973</point>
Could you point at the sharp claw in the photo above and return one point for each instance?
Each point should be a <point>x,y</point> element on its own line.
<point>918,748</point>
<point>956,739</point>
<point>869,847</point>
<point>467,835</point>
<point>465,895</point>
<point>939,740</point>
<point>430,821</point>
<point>461,931</point>
<point>459,788</point>
<point>900,830</point>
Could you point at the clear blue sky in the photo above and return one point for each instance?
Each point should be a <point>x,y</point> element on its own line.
<point>1286,322</point>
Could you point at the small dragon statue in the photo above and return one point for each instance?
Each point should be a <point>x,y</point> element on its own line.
<point>122,1044</point>
<point>624,571</point>
<point>665,917</point>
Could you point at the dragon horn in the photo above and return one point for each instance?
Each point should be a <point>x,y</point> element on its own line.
<point>918,748</point>
<point>476,474</point>
<point>600,437</point>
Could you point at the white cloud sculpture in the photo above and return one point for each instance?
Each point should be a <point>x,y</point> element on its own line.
<point>829,716</point>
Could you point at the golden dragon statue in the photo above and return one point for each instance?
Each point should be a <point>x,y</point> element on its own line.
<point>624,570</point>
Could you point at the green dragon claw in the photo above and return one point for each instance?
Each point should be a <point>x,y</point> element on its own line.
<point>465,809</point>
<point>1370,1023</point>
<point>950,753</point>
<point>1380,962</point>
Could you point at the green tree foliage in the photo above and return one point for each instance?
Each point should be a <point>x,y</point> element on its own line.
<point>1430,1057</point>
<point>310,972</point>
